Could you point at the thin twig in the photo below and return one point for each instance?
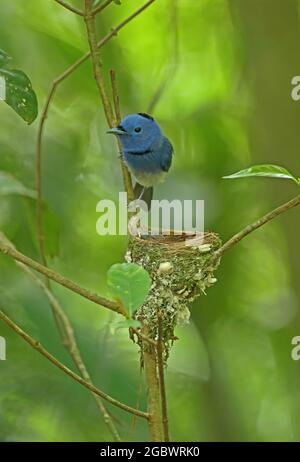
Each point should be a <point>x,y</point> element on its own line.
<point>96,61</point>
<point>44,114</point>
<point>69,7</point>
<point>125,172</point>
<point>161,373</point>
<point>37,346</point>
<point>257,224</point>
<point>16,255</point>
<point>68,338</point>
<point>113,79</point>
<point>112,118</point>
<point>101,7</point>
<point>152,383</point>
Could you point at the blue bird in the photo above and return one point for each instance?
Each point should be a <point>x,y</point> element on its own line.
<point>146,152</point>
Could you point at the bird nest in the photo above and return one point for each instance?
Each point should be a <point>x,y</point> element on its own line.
<point>181,268</point>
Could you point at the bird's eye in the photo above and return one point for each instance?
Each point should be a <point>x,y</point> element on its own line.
<point>137,129</point>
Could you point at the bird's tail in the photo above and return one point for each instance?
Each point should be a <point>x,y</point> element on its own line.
<point>143,193</point>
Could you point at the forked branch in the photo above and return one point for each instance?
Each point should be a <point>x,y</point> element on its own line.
<point>69,7</point>
<point>101,7</point>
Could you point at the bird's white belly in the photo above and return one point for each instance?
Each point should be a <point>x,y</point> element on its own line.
<point>149,179</point>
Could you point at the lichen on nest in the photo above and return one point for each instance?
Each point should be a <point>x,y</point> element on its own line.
<point>180,273</point>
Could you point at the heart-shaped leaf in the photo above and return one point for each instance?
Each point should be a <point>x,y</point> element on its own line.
<point>18,92</point>
<point>10,185</point>
<point>265,170</point>
<point>129,283</point>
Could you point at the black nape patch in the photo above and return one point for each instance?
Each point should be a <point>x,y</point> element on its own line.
<point>147,116</point>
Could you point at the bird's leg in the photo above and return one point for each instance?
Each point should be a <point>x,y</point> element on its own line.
<point>142,192</point>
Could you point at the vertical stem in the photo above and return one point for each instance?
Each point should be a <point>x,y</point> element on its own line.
<point>162,385</point>
<point>97,65</point>
<point>113,79</point>
<point>125,172</point>
<point>150,364</point>
<point>102,6</point>
<point>111,117</point>
<point>38,179</point>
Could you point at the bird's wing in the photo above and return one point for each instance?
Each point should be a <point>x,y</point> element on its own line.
<point>166,155</point>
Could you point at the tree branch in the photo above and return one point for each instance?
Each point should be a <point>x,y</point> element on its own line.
<point>113,79</point>
<point>154,417</point>
<point>16,255</point>
<point>162,386</point>
<point>68,337</point>
<point>101,7</point>
<point>257,224</point>
<point>37,346</point>
<point>125,172</point>
<point>44,114</point>
<point>97,65</point>
<point>69,7</point>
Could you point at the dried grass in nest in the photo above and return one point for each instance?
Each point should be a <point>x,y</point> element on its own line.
<point>177,241</point>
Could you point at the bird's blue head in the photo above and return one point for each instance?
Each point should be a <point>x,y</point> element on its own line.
<point>138,133</point>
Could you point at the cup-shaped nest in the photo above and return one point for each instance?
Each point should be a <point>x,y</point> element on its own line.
<point>181,268</point>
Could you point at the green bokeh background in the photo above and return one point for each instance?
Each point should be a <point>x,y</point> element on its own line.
<point>228,66</point>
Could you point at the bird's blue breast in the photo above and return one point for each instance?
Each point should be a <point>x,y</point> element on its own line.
<point>150,166</point>
<point>145,167</point>
<point>148,161</point>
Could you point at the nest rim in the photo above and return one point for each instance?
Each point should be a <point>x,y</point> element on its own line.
<point>178,241</point>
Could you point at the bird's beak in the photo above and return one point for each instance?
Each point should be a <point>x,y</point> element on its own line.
<point>116,131</point>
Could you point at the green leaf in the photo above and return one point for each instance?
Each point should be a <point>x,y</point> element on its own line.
<point>129,283</point>
<point>266,170</point>
<point>117,2</point>
<point>10,185</point>
<point>19,93</point>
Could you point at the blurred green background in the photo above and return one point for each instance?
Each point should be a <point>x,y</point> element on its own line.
<point>224,70</point>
